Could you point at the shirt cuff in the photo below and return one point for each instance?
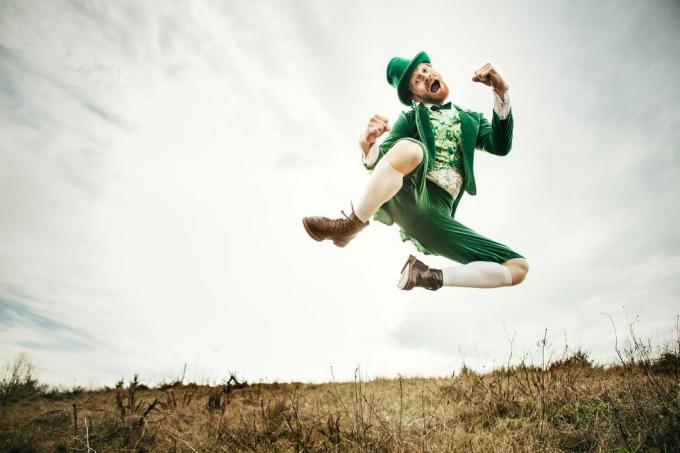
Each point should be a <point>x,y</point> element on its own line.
<point>372,156</point>
<point>501,107</point>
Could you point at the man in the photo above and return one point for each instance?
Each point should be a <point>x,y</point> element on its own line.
<point>419,174</point>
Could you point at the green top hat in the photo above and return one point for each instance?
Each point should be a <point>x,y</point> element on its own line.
<point>399,72</point>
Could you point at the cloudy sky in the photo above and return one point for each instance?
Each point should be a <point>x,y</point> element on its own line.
<point>156,159</point>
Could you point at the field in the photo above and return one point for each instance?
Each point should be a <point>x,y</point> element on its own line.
<point>567,404</point>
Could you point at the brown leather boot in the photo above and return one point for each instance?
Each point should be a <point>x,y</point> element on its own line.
<point>416,273</point>
<point>340,231</point>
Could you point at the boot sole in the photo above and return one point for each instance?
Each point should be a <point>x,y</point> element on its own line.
<point>405,282</point>
<point>337,242</point>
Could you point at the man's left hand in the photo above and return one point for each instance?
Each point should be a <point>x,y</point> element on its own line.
<point>488,75</point>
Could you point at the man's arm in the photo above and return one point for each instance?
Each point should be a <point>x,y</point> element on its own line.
<point>496,137</point>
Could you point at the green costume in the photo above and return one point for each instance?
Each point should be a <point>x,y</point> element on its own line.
<point>422,208</point>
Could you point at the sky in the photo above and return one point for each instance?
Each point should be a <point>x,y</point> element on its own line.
<point>156,160</point>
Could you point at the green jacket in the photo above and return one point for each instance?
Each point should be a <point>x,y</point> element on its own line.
<point>476,133</point>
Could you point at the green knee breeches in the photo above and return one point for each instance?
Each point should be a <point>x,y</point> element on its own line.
<point>428,224</point>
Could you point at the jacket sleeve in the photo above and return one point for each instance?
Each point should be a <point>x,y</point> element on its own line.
<point>495,137</point>
<point>400,129</point>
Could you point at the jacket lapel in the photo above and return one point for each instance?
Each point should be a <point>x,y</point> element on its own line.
<point>425,132</point>
<point>469,126</point>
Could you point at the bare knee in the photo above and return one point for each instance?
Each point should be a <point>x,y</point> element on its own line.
<point>405,156</point>
<point>518,267</point>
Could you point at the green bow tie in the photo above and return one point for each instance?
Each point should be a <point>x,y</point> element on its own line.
<point>446,106</point>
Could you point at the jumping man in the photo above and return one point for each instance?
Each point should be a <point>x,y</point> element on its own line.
<point>419,174</point>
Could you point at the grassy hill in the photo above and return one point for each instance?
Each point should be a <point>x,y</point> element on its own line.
<point>567,405</point>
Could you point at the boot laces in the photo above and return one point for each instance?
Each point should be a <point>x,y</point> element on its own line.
<point>428,279</point>
<point>346,224</point>
<point>341,225</point>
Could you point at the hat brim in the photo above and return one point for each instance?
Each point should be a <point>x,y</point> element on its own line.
<point>403,90</point>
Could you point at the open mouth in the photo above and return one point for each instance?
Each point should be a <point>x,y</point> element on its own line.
<point>435,86</point>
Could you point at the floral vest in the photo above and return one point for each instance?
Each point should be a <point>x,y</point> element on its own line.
<point>447,170</point>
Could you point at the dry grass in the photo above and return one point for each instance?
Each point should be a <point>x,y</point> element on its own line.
<point>556,405</point>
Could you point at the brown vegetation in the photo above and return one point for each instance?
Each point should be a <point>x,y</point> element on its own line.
<point>568,404</point>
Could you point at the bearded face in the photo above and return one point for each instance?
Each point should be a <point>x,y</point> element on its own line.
<point>427,85</point>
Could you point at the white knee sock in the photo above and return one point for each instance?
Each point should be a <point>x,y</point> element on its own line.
<point>383,184</point>
<point>477,274</point>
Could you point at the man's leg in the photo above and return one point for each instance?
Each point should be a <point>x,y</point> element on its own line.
<point>387,177</point>
<point>385,181</point>
<point>487,263</point>
<point>518,267</point>
<point>477,274</point>
<point>487,274</point>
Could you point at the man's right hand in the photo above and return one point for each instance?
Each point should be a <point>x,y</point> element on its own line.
<point>377,125</point>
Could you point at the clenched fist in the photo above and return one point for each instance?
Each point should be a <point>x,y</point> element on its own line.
<point>377,125</point>
<point>488,75</point>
